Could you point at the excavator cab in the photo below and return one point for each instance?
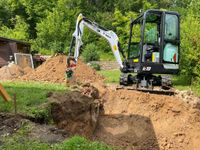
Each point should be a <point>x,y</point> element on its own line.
<point>154,48</point>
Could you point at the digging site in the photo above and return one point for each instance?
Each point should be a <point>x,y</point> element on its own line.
<point>125,119</point>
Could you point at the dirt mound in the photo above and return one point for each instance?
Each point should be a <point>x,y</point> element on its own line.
<point>190,98</point>
<point>12,71</point>
<point>76,112</point>
<point>53,70</point>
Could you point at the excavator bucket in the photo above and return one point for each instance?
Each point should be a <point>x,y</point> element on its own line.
<point>4,94</point>
<point>71,65</point>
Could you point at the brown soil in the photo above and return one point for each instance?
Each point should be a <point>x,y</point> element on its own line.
<point>53,70</point>
<point>11,71</point>
<point>28,70</point>
<point>9,124</point>
<point>76,112</point>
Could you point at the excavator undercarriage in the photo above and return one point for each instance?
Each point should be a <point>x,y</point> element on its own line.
<point>147,83</point>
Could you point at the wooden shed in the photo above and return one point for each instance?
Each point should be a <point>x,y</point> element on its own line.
<point>10,46</point>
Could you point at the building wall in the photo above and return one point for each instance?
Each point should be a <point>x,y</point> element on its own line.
<point>8,48</point>
<point>5,52</point>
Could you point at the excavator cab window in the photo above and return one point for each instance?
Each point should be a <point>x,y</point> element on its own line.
<point>154,38</point>
<point>171,39</point>
<point>151,41</point>
<point>135,40</point>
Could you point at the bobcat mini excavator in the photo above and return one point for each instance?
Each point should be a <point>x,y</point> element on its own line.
<point>153,49</point>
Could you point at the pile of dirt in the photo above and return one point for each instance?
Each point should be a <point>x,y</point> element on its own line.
<point>12,71</point>
<point>27,70</point>
<point>190,98</point>
<point>77,111</point>
<point>53,70</point>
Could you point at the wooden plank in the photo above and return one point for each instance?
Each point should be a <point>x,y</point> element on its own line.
<point>4,94</point>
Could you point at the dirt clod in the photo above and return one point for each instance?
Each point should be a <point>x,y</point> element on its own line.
<point>76,112</point>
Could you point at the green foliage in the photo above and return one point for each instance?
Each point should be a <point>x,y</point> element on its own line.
<point>90,53</point>
<point>20,30</point>
<point>81,143</point>
<point>49,24</point>
<point>190,46</point>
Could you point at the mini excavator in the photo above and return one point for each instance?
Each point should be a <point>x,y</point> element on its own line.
<point>153,49</point>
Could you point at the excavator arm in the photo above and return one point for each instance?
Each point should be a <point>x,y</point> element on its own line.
<point>109,35</point>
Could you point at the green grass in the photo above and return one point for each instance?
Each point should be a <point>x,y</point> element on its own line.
<point>29,95</point>
<point>107,56</point>
<point>112,76</point>
<point>183,83</point>
<point>20,141</point>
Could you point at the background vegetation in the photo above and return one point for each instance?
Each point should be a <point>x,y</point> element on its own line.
<point>49,24</point>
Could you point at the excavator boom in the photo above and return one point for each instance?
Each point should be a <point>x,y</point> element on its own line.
<point>109,35</point>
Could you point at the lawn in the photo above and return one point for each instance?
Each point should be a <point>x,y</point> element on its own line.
<point>112,76</point>
<point>30,95</point>
<point>107,56</point>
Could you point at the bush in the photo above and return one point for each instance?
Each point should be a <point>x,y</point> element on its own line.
<point>90,53</point>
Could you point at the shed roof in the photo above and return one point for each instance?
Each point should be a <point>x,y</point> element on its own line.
<point>13,40</point>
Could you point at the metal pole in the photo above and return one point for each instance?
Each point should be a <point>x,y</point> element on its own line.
<point>15,103</point>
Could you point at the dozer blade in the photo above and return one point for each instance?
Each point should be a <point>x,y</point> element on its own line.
<point>155,90</point>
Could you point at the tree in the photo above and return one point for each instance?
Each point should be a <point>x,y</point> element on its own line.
<point>20,30</point>
<point>190,43</point>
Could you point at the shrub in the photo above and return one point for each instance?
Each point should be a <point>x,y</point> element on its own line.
<point>90,53</point>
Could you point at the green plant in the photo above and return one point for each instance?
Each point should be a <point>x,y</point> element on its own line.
<point>95,66</point>
<point>90,53</point>
<point>80,143</point>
